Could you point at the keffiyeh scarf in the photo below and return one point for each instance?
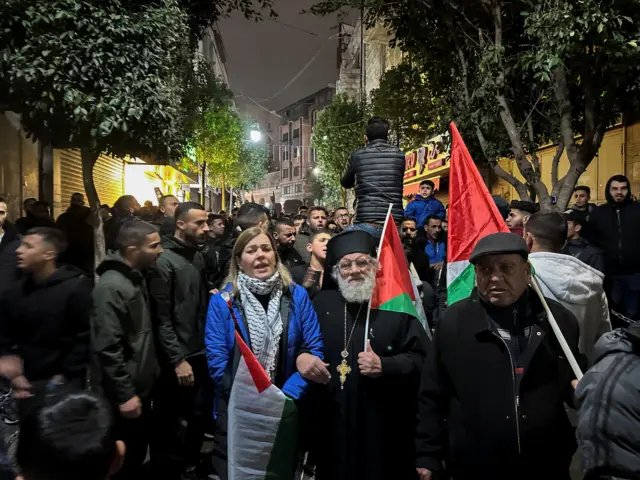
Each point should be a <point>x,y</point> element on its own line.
<point>265,328</point>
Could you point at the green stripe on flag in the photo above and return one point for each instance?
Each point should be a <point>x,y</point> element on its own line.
<point>282,462</point>
<point>461,287</point>
<point>401,303</point>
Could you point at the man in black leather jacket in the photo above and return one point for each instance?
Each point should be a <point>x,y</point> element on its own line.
<point>376,173</point>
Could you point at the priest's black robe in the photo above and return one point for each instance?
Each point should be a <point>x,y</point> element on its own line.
<point>367,430</point>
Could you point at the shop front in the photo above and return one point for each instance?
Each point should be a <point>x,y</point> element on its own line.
<point>430,162</point>
<point>150,182</point>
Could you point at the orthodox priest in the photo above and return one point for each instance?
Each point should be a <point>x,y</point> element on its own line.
<point>366,407</point>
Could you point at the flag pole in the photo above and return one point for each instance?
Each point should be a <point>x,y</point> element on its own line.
<point>556,330</point>
<point>366,323</point>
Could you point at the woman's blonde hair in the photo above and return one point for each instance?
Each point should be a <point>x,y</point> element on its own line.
<point>241,243</point>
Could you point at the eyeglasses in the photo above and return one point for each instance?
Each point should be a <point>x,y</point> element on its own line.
<point>409,229</point>
<point>361,263</point>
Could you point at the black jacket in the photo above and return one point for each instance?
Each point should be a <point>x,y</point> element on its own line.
<point>472,416</point>
<point>213,263</point>
<point>587,253</point>
<point>10,235</point>
<point>47,325</point>
<point>166,225</point>
<point>615,228</point>
<point>290,257</point>
<point>179,300</point>
<point>376,173</point>
<point>415,254</point>
<point>75,224</point>
<point>125,361</point>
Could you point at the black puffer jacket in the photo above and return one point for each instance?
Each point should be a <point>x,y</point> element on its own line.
<point>376,173</point>
<point>615,228</point>
<point>179,300</point>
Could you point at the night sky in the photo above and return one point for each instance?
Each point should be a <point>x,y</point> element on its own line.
<point>263,57</point>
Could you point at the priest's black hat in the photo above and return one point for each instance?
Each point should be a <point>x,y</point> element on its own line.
<point>346,243</point>
<point>500,243</point>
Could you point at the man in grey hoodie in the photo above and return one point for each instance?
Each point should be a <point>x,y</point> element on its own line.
<point>574,284</point>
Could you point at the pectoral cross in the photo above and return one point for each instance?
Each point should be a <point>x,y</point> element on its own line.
<point>343,370</point>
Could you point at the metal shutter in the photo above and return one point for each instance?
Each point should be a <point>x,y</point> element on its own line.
<point>108,176</point>
<point>70,176</point>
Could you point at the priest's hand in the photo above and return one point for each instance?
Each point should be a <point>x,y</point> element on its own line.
<point>369,363</point>
<point>312,368</point>
<point>424,474</point>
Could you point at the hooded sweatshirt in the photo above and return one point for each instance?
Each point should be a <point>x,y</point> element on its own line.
<point>47,324</point>
<point>615,228</point>
<point>578,287</point>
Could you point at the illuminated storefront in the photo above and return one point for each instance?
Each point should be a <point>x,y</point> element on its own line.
<point>430,162</point>
<point>150,182</point>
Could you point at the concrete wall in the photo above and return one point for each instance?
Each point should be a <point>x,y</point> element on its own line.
<point>18,167</point>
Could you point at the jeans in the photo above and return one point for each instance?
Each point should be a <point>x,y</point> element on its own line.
<point>625,293</point>
<point>374,231</point>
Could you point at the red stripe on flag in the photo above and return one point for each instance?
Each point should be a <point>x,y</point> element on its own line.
<point>259,376</point>
<point>472,212</point>
<point>393,277</point>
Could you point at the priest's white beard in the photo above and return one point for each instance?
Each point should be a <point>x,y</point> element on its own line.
<point>356,292</point>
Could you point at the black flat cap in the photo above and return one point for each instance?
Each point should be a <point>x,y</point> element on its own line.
<point>576,216</point>
<point>499,244</point>
<point>525,206</point>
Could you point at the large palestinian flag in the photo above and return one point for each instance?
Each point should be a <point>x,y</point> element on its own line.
<point>472,215</point>
<point>394,290</point>
<point>262,424</point>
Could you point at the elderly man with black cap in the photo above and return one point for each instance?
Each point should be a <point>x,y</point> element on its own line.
<point>491,404</point>
<point>366,413</point>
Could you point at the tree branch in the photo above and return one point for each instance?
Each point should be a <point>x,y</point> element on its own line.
<point>534,155</point>
<point>563,97</point>
<point>555,162</point>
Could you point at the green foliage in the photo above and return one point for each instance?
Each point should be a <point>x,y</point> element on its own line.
<point>520,74</point>
<point>406,99</point>
<point>252,164</point>
<point>338,132</point>
<point>94,76</point>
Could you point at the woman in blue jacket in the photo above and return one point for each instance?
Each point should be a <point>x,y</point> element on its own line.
<point>273,316</point>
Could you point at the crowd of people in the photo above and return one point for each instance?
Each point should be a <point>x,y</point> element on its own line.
<point>123,369</point>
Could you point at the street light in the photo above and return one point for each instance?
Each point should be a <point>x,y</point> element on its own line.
<point>316,171</point>
<point>256,136</point>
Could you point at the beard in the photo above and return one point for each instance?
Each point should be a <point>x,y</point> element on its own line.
<point>356,292</point>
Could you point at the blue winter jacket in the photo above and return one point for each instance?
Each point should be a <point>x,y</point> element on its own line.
<point>302,332</point>
<point>421,208</point>
<point>437,252</point>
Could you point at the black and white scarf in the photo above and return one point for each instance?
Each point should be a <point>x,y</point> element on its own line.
<point>265,328</point>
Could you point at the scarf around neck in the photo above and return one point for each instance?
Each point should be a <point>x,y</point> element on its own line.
<point>265,328</point>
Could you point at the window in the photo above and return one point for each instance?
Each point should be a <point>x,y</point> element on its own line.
<point>287,190</point>
<point>296,171</point>
<point>296,133</point>
<point>268,126</point>
<point>287,113</point>
<point>314,117</point>
<point>295,152</point>
<point>285,174</point>
<point>298,187</point>
<point>285,137</point>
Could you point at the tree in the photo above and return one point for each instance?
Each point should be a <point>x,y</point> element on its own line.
<point>338,132</point>
<point>97,77</point>
<point>253,165</point>
<point>523,74</point>
<point>414,112</point>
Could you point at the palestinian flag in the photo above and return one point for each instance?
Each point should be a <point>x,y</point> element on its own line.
<point>472,215</point>
<point>394,290</point>
<point>262,424</point>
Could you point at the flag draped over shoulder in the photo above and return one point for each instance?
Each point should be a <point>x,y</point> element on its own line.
<point>472,215</point>
<point>262,424</point>
<point>394,290</point>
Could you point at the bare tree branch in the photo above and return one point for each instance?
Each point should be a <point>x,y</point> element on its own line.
<point>555,162</point>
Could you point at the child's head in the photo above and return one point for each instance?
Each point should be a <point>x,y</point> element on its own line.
<point>317,245</point>
<point>67,434</point>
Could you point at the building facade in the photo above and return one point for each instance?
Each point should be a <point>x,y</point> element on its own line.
<point>296,157</point>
